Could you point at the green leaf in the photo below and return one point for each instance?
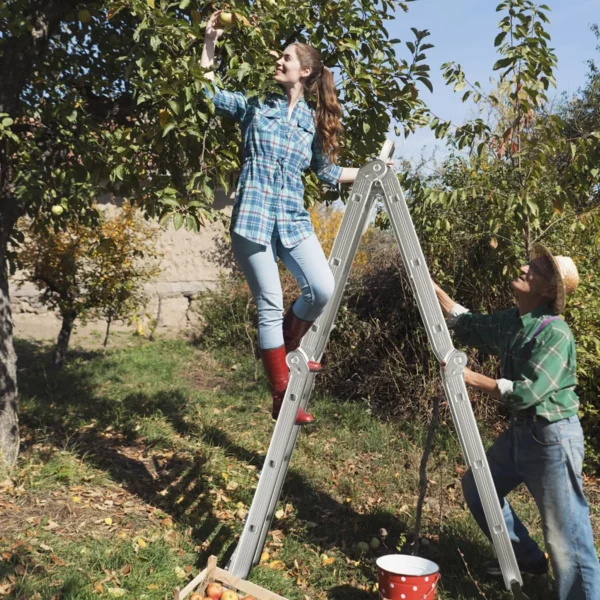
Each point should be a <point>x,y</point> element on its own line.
<point>426,82</point>
<point>502,63</point>
<point>177,221</point>
<point>500,38</point>
<point>459,86</point>
<point>169,127</point>
<point>184,4</point>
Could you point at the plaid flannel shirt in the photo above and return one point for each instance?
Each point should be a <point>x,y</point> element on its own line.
<point>543,373</point>
<point>276,151</point>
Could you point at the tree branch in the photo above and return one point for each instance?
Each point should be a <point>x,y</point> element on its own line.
<point>19,53</point>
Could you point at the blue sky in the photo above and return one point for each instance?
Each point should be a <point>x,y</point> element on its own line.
<point>464,30</point>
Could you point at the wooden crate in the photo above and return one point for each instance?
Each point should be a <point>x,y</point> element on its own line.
<point>214,573</point>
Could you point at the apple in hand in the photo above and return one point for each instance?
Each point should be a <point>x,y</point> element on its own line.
<point>226,19</point>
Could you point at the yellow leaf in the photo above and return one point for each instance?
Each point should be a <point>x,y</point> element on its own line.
<point>152,586</point>
<point>264,557</point>
<point>181,574</point>
<point>116,592</point>
<point>108,521</point>
<point>163,117</point>
<point>277,565</point>
<point>328,561</point>
<point>76,499</point>
<point>150,3</point>
<point>280,514</point>
<point>141,542</point>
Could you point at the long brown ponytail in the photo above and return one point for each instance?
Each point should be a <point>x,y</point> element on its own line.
<point>328,110</point>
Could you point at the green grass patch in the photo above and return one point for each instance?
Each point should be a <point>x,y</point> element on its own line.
<point>163,442</point>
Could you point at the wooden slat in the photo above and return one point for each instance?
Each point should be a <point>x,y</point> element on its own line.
<point>204,574</point>
<point>245,586</point>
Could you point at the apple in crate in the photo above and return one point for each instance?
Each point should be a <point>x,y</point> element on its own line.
<point>214,591</point>
<point>229,595</point>
<point>196,596</point>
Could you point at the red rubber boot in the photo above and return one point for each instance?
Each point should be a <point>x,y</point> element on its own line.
<point>293,332</point>
<point>278,376</point>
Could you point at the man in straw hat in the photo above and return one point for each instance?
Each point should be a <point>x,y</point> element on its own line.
<point>543,446</point>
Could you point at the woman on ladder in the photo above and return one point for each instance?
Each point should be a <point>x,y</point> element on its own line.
<point>282,137</point>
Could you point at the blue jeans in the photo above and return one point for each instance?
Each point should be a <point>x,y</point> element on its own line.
<point>308,265</point>
<point>547,458</point>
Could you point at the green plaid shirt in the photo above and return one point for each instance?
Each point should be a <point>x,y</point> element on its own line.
<point>543,374</point>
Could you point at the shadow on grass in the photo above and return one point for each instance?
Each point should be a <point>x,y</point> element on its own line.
<point>58,404</point>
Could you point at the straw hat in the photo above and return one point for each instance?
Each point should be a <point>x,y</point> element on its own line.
<point>565,273</point>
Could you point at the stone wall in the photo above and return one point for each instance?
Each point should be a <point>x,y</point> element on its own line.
<point>190,264</point>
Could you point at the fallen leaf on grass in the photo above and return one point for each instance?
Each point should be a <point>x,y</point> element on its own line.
<point>152,586</point>
<point>278,565</point>
<point>99,588</point>
<point>108,521</point>
<point>327,560</point>
<point>180,573</point>
<point>76,499</point>
<point>141,542</point>
<point>126,569</point>
<point>280,514</point>
<point>116,592</point>
<point>5,589</point>
<point>20,570</point>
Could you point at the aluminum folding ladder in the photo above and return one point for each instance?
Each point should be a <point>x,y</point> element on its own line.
<point>375,182</point>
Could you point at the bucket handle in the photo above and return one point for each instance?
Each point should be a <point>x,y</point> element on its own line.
<point>431,592</point>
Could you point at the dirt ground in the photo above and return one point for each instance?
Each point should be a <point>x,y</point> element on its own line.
<point>45,328</point>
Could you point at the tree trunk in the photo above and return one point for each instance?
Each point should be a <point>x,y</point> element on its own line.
<point>62,344</point>
<point>108,322</point>
<point>9,403</point>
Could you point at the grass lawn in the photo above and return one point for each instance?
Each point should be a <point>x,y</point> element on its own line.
<point>138,464</point>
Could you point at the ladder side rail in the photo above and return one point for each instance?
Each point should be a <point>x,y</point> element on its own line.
<point>283,471</point>
<point>285,432</point>
<point>241,561</point>
<point>454,386</point>
<point>358,209</point>
<point>475,457</point>
<point>416,268</point>
<point>313,343</point>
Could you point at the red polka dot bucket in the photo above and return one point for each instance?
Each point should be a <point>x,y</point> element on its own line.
<point>403,577</point>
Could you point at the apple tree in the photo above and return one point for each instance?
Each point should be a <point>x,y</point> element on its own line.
<point>105,97</point>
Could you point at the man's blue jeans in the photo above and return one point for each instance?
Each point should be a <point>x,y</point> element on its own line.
<point>547,458</point>
<point>308,265</point>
